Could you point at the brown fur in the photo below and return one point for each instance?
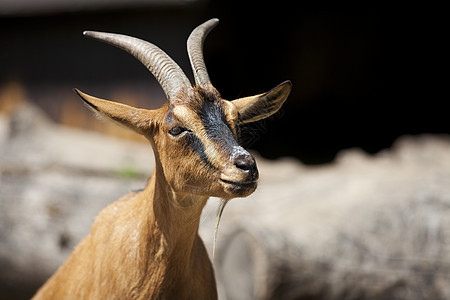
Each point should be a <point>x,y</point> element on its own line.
<point>143,246</point>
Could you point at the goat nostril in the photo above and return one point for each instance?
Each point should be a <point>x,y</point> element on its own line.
<point>245,165</point>
<point>242,164</point>
<point>248,167</point>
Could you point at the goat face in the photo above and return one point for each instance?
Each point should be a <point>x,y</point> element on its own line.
<point>198,148</point>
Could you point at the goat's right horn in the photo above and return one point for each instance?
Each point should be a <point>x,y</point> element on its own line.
<point>166,71</point>
<point>195,51</point>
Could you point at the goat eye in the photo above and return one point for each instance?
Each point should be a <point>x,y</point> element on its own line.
<point>177,130</point>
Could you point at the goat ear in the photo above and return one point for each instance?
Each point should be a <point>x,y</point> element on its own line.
<point>258,107</point>
<point>139,120</point>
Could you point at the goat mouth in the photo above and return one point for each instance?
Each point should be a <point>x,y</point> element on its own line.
<point>237,188</point>
<point>245,183</point>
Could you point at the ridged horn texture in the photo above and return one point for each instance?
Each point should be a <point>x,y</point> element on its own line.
<point>195,51</point>
<point>166,71</point>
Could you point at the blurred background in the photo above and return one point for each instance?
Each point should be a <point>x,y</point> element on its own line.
<point>363,77</point>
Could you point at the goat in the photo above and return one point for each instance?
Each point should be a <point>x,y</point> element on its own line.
<point>146,244</point>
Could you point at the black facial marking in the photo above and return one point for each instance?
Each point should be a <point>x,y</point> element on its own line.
<point>208,105</point>
<point>216,124</point>
<point>196,144</point>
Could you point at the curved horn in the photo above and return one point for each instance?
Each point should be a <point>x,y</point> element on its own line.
<point>166,71</point>
<point>195,50</point>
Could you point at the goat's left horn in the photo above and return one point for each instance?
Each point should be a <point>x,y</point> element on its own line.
<point>166,71</point>
<point>195,51</point>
